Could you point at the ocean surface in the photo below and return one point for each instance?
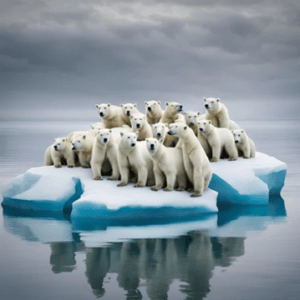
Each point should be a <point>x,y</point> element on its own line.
<point>254,254</point>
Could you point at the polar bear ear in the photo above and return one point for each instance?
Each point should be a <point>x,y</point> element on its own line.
<point>204,99</point>
<point>198,113</point>
<point>97,105</point>
<point>243,131</point>
<point>167,103</point>
<point>185,127</point>
<point>158,102</point>
<point>121,133</point>
<point>145,102</point>
<point>161,140</point>
<point>209,122</point>
<point>134,105</point>
<point>84,136</point>
<point>218,99</point>
<point>108,104</point>
<point>122,105</point>
<point>63,140</point>
<point>110,131</point>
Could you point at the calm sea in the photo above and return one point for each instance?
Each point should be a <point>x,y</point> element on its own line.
<point>254,254</point>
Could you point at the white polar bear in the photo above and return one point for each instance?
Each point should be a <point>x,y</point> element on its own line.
<point>133,155</point>
<point>219,139</point>
<point>139,124</point>
<point>112,116</point>
<point>59,154</point>
<point>96,127</point>
<point>160,130</point>
<point>128,110</point>
<point>82,143</point>
<point>154,111</point>
<point>167,163</point>
<point>196,163</point>
<point>216,112</point>
<point>191,119</point>
<point>244,144</point>
<point>172,113</point>
<point>104,155</point>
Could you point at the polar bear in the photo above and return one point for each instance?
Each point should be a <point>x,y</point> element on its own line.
<point>216,112</point>
<point>82,143</point>
<point>96,127</point>
<point>133,155</point>
<point>191,119</point>
<point>139,124</point>
<point>59,154</point>
<point>154,111</point>
<point>196,163</point>
<point>172,113</point>
<point>159,130</point>
<point>244,144</point>
<point>128,110</point>
<point>219,139</point>
<point>104,155</point>
<point>167,163</point>
<point>112,116</point>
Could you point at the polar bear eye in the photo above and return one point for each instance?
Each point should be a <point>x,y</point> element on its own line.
<point>239,135</point>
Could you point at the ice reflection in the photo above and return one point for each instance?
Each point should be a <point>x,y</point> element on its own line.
<point>148,260</point>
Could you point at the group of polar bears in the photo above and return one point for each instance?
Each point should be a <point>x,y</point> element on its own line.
<point>161,148</point>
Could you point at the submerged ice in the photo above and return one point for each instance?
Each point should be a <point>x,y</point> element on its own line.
<point>245,181</point>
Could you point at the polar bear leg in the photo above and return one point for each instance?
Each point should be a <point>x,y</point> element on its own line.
<point>198,182</point>
<point>71,160</point>
<point>171,178</point>
<point>142,176</point>
<point>83,162</point>
<point>96,169</point>
<point>159,179</point>
<point>57,161</point>
<point>112,157</point>
<point>216,152</point>
<point>231,150</point>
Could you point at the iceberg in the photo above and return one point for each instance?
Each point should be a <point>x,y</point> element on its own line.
<point>50,190</point>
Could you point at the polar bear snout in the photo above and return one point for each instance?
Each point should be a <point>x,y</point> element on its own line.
<point>132,144</point>
<point>138,125</point>
<point>206,106</point>
<point>55,147</point>
<point>152,147</point>
<point>158,134</point>
<point>149,108</point>
<point>101,114</point>
<point>73,147</point>
<point>128,113</point>
<point>105,140</point>
<point>170,132</point>
<point>179,107</point>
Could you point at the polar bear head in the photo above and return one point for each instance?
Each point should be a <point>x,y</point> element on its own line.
<point>137,121</point>
<point>159,130</point>
<point>103,109</point>
<point>152,106</point>
<point>191,117</point>
<point>212,104</point>
<point>153,144</point>
<point>173,107</point>
<point>239,135</point>
<point>129,139</point>
<point>128,109</point>
<point>96,127</point>
<point>178,129</point>
<point>103,135</point>
<point>79,142</point>
<point>205,126</point>
<point>59,144</point>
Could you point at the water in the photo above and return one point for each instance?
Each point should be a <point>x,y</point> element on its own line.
<point>254,254</point>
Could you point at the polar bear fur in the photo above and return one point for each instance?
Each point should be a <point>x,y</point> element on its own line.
<point>244,144</point>
<point>216,112</point>
<point>172,113</point>
<point>191,119</point>
<point>96,127</point>
<point>82,143</point>
<point>59,154</point>
<point>128,110</point>
<point>139,124</point>
<point>167,163</point>
<point>104,155</point>
<point>219,139</point>
<point>154,111</point>
<point>196,163</point>
<point>159,131</point>
<point>112,116</point>
<point>133,155</point>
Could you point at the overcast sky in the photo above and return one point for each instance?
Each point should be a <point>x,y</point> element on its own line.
<point>61,57</point>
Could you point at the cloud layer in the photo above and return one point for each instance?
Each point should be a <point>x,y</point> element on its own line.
<point>74,53</point>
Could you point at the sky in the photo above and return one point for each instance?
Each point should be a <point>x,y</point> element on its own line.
<point>59,58</point>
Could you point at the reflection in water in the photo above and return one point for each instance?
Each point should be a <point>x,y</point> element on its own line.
<point>151,262</point>
<point>62,258</point>
<point>97,266</point>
